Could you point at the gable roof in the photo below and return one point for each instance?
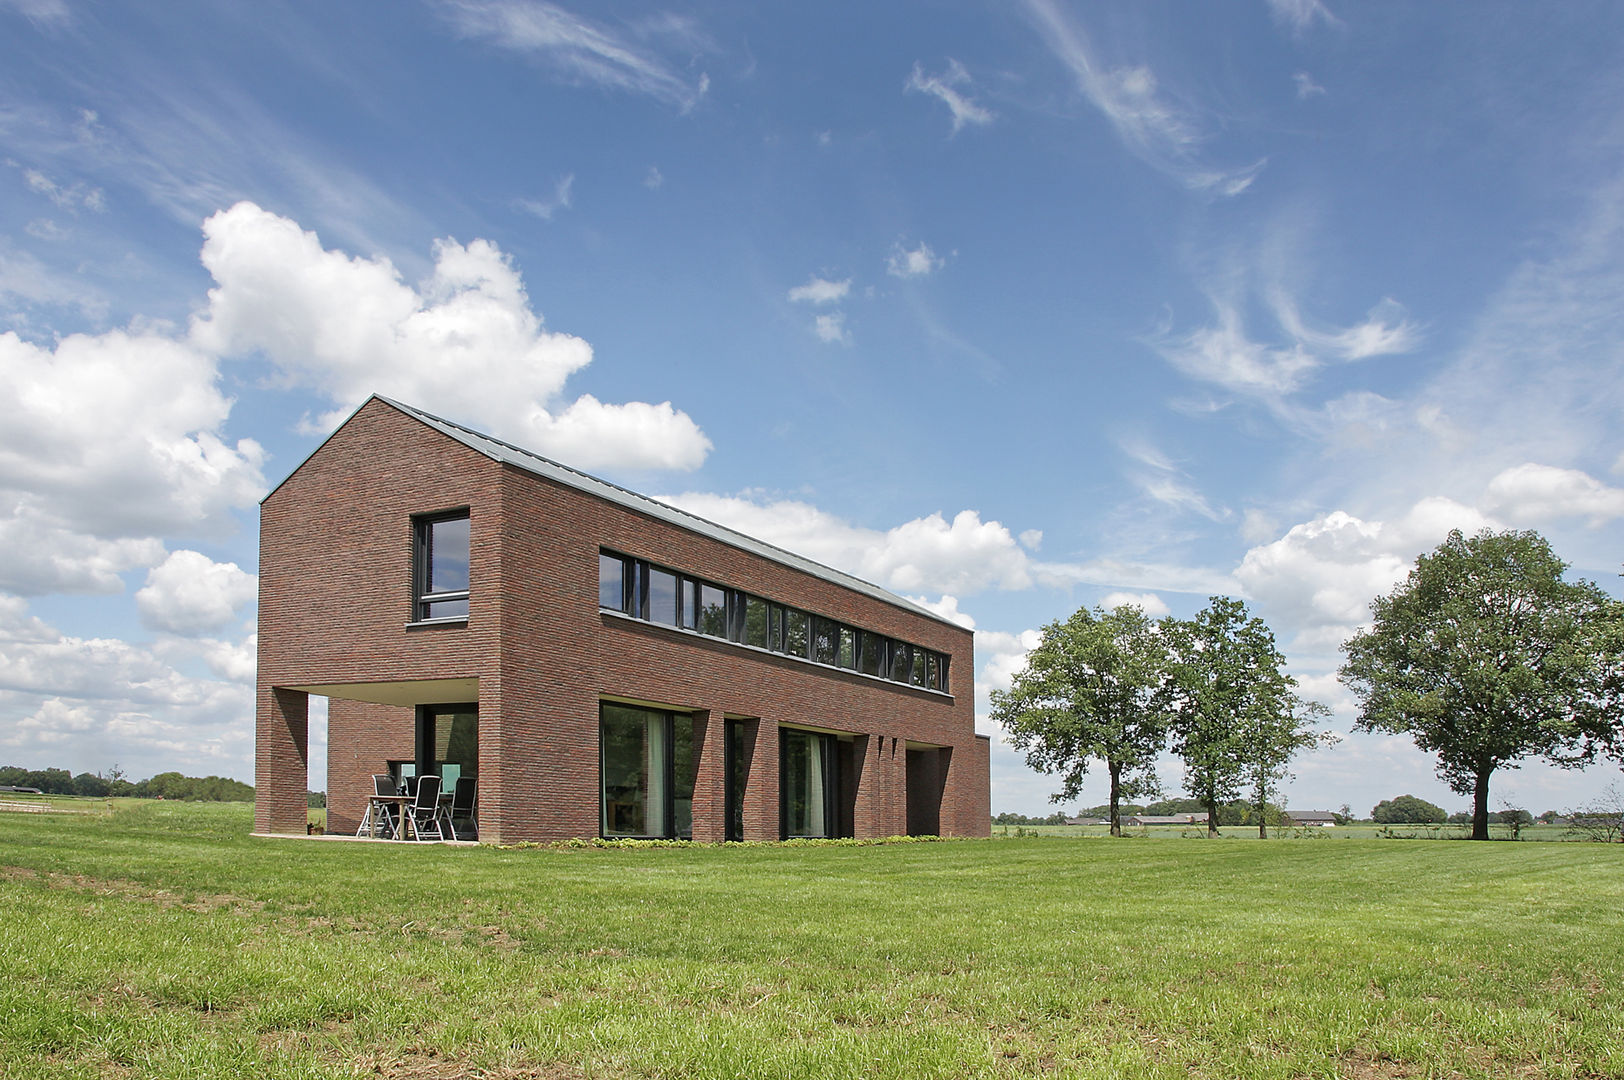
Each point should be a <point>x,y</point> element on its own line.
<point>531,462</point>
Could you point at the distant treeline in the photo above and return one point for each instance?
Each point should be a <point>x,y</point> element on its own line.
<point>166,785</point>
<point>1239,812</point>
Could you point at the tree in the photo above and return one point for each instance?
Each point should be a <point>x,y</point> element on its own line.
<point>1092,690</point>
<point>1485,656</point>
<point>1237,719</point>
<point>1407,810</point>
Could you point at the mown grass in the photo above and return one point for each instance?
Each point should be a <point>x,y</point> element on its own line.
<point>161,941</point>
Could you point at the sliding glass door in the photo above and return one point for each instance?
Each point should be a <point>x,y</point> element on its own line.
<point>647,770</point>
<point>808,785</point>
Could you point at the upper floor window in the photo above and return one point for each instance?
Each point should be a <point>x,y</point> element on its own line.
<point>442,566</point>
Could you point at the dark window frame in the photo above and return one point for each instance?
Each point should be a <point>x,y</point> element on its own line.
<point>422,558</point>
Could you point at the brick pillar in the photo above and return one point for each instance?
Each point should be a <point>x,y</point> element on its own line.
<point>710,777</point>
<point>281,760</point>
<point>882,789</point>
<point>761,811</point>
<point>967,791</point>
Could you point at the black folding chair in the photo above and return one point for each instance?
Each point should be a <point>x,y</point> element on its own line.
<point>463,824</point>
<point>381,816</point>
<point>425,810</point>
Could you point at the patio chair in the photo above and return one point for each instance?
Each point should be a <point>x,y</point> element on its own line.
<point>463,824</point>
<point>425,810</point>
<point>380,816</point>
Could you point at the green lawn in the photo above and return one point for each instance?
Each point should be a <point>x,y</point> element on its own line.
<point>160,941</point>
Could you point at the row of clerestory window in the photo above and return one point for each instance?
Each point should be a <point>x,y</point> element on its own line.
<point>655,594</point>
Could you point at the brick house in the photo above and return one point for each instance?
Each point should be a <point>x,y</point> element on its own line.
<point>597,662</point>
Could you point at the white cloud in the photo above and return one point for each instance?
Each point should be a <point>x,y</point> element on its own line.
<point>820,291</point>
<point>465,344</point>
<point>1535,493</point>
<point>189,593</point>
<point>945,87</point>
<point>1385,331</point>
<point>831,328</point>
<point>39,11</point>
<point>1003,655</point>
<point>653,179</point>
<point>118,435</point>
<point>1158,131</point>
<point>81,697</point>
<point>1031,539</point>
<point>1300,15</point>
<point>948,608</point>
<point>1319,578</point>
<point>1306,86</point>
<point>69,197</point>
<point>918,262</point>
<point>546,208</point>
<point>44,557</point>
<point>581,52</point>
<point>1151,604</point>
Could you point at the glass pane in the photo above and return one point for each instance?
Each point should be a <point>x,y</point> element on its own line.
<point>941,673</point>
<point>712,611</point>
<point>690,603</point>
<point>735,615</point>
<point>611,582</point>
<point>917,677</point>
<point>662,596</point>
<point>805,783</point>
<point>795,633</point>
<point>627,783</point>
<point>683,767</point>
<point>932,673</point>
<point>755,621</point>
<point>901,661</point>
<point>657,768</point>
<point>738,774</point>
<point>848,648</point>
<point>872,655</point>
<point>775,628</point>
<point>446,609</point>
<point>447,556</point>
<point>825,639</point>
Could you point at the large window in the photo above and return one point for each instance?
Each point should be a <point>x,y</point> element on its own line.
<point>647,768</point>
<point>653,593</point>
<point>442,567</point>
<point>808,785</point>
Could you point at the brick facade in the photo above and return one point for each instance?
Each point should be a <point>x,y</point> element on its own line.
<point>336,595</point>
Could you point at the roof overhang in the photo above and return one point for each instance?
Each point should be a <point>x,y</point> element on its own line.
<point>407,692</point>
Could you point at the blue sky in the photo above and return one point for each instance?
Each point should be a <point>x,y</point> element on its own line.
<point>1008,307</point>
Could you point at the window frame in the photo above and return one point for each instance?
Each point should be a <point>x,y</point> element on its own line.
<point>422,557</point>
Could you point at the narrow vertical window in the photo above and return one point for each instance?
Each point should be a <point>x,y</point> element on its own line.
<point>775,628</point>
<point>442,569</point>
<point>690,603</point>
<point>611,581</point>
<point>871,658</point>
<point>901,661</point>
<point>712,610</point>
<point>662,596</point>
<point>795,633</point>
<point>848,648</point>
<point>755,621</point>
<point>917,675</point>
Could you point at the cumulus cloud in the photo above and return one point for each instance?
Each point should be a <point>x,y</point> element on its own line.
<point>916,262</point>
<point>1152,126</point>
<point>1151,604</point>
<point>80,696</point>
<point>119,435</point>
<point>1532,493</point>
<point>43,556</point>
<point>946,88</point>
<point>189,593</point>
<point>465,344</point>
<point>1003,655</point>
<point>1320,577</point>
<point>579,51</point>
<point>820,291</point>
<point>948,608</point>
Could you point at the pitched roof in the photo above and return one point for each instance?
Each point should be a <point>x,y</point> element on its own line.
<point>531,462</point>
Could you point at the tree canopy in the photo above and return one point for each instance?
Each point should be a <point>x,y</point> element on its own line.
<point>1237,719</point>
<point>1486,656</point>
<point>1092,690</point>
<point>1407,810</point>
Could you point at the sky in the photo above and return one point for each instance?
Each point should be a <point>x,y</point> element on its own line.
<point>1009,307</point>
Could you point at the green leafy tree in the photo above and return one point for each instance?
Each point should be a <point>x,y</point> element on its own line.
<point>1237,719</point>
<point>1092,690</point>
<point>1407,810</point>
<point>1485,656</point>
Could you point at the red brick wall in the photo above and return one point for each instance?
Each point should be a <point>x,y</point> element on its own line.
<point>335,593</point>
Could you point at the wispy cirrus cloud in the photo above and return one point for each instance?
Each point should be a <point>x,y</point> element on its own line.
<point>1161,133</point>
<point>948,88</point>
<point>580,51</point>
<point>1300,15</point>
<point>546,208</point>
<point>820,291</point>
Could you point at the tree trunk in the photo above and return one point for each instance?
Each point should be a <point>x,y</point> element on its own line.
<point>1212,820</point>
<point>1262,827</point>
<point>1116,796</point>
<point>1480,807</point>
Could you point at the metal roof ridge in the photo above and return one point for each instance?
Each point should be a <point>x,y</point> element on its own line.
<point>471,437</point>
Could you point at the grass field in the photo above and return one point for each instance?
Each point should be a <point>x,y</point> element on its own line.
<point>160,941</point>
